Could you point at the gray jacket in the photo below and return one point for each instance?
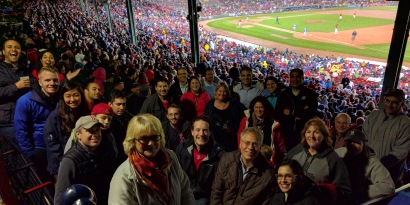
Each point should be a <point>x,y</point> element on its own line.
<point>388,136</point>
<point>324,167</point>
<point>126,189</point>
<point>377,180</point>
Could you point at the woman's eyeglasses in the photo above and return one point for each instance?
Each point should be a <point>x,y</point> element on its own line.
<point>148,138</point>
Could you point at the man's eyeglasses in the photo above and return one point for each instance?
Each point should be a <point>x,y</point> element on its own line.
<point>285,177</point>
<point>391,101</point>
<point>146,139</point>
<point>254,144</point>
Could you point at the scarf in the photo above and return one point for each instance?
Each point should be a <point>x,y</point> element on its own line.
<point>152,175</point>
<point>257,123</point>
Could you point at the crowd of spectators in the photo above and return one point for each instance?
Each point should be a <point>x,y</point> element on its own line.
<point>74,66</point>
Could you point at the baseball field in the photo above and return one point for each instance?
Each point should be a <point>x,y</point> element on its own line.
<point>373,25</point>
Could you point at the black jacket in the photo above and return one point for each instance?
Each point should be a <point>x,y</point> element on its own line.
<point>55,141</point>
<point>236,113</point>
<point>175,92</point>
<point>201,180</point>
<point>9,92</point>
<point>119,126</point>
<point>303,107</point>
<point>154,106</point>
<point>80,166</point>
<point>184,133</point>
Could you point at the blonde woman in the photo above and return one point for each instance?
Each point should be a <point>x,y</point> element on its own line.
<point>151,174</point>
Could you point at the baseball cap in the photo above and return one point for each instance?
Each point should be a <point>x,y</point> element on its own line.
<point>86,122</point>
<point>356,136</point>
<point>102,108</point>
<point>398,93</point>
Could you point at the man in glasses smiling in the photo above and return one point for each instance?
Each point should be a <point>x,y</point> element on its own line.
<point>244,176</point>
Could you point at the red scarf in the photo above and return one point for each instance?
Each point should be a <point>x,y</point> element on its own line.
<point>152,175</point>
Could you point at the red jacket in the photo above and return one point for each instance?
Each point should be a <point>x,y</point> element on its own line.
<point>193,105</point>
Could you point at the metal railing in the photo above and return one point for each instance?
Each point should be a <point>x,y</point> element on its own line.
<point>27,187</point>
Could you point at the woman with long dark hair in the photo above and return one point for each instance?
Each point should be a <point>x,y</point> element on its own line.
<point>261,116</point>
<point>61,121</point>
<point>45,59</point>
<point>193,102</point>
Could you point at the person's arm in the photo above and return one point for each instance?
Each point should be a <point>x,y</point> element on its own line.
<point>187,196</point>
<point>65,179</point>
<point>218,186</point>
<point>308,110</point>
<point>122,189</point>
<point>279,109</point>
<point>381,182</point>
<point>207,98</point>
<point>339,176</point>
<point>22,125</point>
<point>367,125</point>
<point>146,106</point>
<point>10,90</point>
<point>242,126</point>
<point>278,146</point>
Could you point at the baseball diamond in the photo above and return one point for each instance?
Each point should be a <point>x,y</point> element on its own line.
<point>374,27</point>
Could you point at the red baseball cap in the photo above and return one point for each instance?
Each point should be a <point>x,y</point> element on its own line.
<point>102,108</point>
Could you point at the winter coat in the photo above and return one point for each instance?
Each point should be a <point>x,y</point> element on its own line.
<point>126,188</point>
<point>30,117</point>
<point>55,141</point>
<point>9,93</point>
<point>201,180</point>
<point>389,137</point>
<point>324,167</point>
<point>81,166</point>
<point>368,180</point>
<point>184,132</point>
<point>193,105</point>
<point>303,107</point>
<point>154,106</point>
<point>230,188</point>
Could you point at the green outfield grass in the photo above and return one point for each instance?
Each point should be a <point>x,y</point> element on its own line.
<point>325,23</point>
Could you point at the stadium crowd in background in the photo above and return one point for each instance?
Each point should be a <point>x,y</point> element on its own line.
<point>110,69</point>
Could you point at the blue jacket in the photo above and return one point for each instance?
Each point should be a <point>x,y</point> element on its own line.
<point>31,113</point>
